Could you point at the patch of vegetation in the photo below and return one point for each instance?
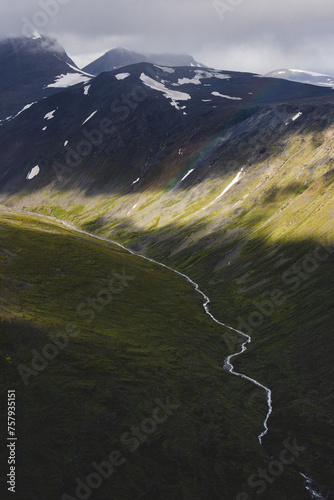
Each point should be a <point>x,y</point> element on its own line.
<point>152,341</point>
<point>301,188</point>
<point>58,211</point>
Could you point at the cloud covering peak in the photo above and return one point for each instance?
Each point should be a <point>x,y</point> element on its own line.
<point>247,35</point>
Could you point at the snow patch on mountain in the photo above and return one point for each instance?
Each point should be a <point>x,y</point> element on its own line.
<point>27,106</point>
<point>122,76</point>
<point>90,116</point>
<point>166,69</point>
<point>231,184</point>
<point>173,95</point>
<point>50,115</point>
<point>196,80</point>
<point>69,80</point>
<point>294,118</point>
<point>235,180</point>
<point>134,206</point>
<point>217,94</point>
<point>33,172</point>
<point>79,70</point>
<point>188,173</point>
<point>220,76</point>
<point>303,76</point>
<point>200,75</point>
<point>86,89</point>
<point>35,35</point>
<point>312,73</point>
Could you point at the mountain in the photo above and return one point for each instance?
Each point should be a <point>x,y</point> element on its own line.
<point>33,68</point>
<point>298,75</point>
<point>119,57</point>
<point>226,177</point>
<point>175,60</point>
<point>147,107</point>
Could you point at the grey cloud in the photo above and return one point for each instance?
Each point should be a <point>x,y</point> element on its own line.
<point>252,35</point>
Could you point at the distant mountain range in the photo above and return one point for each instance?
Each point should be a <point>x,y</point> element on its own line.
<point>302,76</point>
<point>119,57</point>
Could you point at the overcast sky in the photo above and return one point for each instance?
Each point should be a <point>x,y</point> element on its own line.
<point>245,35</point>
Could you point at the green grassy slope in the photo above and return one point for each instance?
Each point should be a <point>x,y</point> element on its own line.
<point>152,341</point>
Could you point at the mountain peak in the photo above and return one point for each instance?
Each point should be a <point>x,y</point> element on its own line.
<point>32,68</point>
<point>35,43</point>
<point>36,35</point>
<point>303,76</point>
<point>119,57</point>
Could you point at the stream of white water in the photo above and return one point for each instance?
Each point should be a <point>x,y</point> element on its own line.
<point>309,484</point>
<point>227,365</point>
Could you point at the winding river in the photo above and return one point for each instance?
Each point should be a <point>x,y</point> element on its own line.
<point>309,484</point>
<point>227,365</point>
